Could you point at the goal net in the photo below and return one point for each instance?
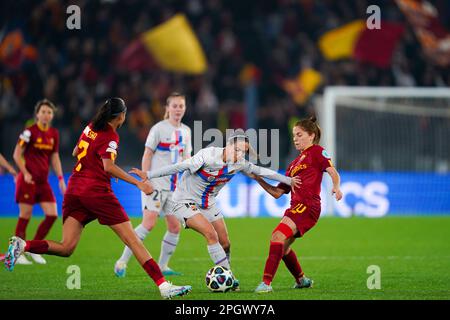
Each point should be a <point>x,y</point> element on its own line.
<point>398,137</point>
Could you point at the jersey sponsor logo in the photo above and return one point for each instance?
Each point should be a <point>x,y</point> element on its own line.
<point>325,154</point>
<point>297,168</point>
<point>43,146</point>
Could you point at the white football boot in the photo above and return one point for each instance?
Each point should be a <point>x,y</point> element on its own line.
<point>169,290</point>
<point>36,257</point>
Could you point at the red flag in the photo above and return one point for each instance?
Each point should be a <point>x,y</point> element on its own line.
<point>377,45</point>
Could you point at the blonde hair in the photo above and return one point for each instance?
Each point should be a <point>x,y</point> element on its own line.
<point>172,95</point>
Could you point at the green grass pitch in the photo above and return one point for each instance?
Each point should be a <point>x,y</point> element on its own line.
<point>413,254</point>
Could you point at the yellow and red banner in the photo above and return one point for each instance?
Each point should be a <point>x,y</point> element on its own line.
<point>172,46</point>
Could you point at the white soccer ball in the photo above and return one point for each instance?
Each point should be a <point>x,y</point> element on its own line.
<point>219,279</point>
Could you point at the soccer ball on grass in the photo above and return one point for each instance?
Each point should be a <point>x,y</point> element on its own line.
<point>219,279</point>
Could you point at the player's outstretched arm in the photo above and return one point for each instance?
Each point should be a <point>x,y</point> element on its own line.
<point>270,174</point>
<point>191,164</point>
<point>110,167</point>
<point>336,182</point>
<point>274,191</point>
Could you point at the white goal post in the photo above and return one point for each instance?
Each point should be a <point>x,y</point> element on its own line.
<point>403,104</point>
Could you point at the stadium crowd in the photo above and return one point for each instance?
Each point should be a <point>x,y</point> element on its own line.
<point>78,70</point>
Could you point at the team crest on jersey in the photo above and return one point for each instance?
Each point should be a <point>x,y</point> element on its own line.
<point>325,154</point>
<point>211,178</point>
<point>39,140</point>
<point>158,204</point>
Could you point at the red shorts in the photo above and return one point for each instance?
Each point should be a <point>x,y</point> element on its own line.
<point>304,216</point>
<point>106,208</point>
<point>33,193</point>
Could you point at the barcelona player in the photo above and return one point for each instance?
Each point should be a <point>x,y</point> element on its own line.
<point>89,197</point>
<point>37,148</point>
<point>304,211</point>
<point>168,142</point>
<point>204,175</point>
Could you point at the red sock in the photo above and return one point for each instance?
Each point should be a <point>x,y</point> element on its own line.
<point>153,270</point>
<point>273,261</point>
<point>293,265</point>
<point>44,227</point>
<point>21,227</point>
<point>36,246</point>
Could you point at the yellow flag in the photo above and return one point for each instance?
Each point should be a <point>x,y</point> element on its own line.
<point>340,42</point>
<point>175,47</point>
<point>303,85</point>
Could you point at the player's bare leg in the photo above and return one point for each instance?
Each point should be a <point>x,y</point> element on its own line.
<point>51,215</point>
<point>285,229</point>
<point>169,244</point>
<point>72,230</point>
<point>25,212</point>
<point>200,224</point>
<point>128,236</point>
<point>291,261</point>
<point>149,219</point>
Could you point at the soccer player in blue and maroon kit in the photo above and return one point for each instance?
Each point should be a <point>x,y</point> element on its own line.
<point>89,197</point>
<point>304,211</point>
<point>36,149</point>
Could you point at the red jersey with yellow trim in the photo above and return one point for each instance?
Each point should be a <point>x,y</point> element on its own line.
<point>39,145</point>
<point>88,176</point>
<point>310,165</point>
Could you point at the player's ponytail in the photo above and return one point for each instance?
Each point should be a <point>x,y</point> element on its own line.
<point>310,125</point>
<point>111,109</point>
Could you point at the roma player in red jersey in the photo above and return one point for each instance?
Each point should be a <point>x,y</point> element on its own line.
<point>37,148</point>
<point>304,211</point>
<point>89,196</point>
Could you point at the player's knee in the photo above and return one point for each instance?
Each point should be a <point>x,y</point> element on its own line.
<point>174,227</point>
<point>277,236</point>
<point>211,236</point>
<point>149,221</point>
<point>68,250</point>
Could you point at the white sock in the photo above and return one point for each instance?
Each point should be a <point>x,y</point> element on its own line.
<point>141,233</point>
<point>168,246</point>
<point>218,255</point>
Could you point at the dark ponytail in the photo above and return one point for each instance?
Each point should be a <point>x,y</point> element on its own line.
<point>111,109</point>
<point>310,125</point>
